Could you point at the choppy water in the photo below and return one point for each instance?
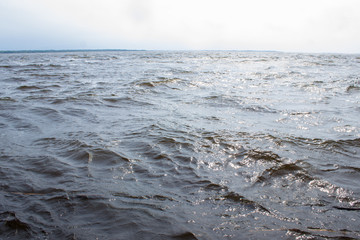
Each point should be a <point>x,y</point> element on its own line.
<point>179,145</point>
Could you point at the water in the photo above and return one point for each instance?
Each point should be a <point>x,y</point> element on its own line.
<point>179,145</point>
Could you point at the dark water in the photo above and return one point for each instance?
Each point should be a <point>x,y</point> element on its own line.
<point>179,145</point>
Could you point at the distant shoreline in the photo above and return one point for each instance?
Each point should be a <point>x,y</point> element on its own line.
<point>122,50</point>
<point>68,50</point>
<point>161,50</point>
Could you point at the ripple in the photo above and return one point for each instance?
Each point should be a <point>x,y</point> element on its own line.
<point>10,223</point>
<point>25,87</point>
<point>50,113</point>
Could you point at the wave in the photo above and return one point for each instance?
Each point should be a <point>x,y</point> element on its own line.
<point>161,81</point>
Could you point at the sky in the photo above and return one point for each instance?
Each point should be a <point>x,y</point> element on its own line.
<point>280,25</point>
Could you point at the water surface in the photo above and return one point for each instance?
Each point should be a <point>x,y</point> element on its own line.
<point>179,145</point>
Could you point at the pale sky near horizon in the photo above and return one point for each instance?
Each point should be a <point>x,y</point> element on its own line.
<point>282,25</point>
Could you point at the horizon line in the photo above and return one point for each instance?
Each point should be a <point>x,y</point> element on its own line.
<point>68,50</point>
<point>122,50</point>
<point>170,50</point>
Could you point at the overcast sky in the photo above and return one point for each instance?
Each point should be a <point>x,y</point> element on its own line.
<point>284,25</point>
